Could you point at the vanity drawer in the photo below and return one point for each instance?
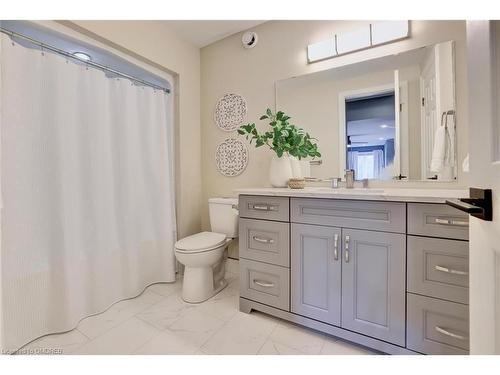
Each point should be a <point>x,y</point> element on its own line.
<point>437,220</point>
<point>439,268</point>
<point>265,283</point>
<point>262,207</point>
<point>265,241</point>
<point>436,326</point>
<point>380,216</point>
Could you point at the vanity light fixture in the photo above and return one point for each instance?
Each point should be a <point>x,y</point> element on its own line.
<point>389,31</point>
<point>369,36</point>
<point>321,50</point>
<point>353,40</point>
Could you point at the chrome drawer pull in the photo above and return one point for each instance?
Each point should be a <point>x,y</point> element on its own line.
<point>450,270</point>
<point>260,208</point>
<point>346,252</point>
<point>264,207</point>
<point>336,247</point>
<point>442,221</point>
<point>451,222</point>
<point>448,333</point>
<point>263,240</point>
<point>264,284</point>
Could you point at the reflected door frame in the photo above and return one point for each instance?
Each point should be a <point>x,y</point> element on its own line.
<point>428,125</point>
<point>359,93</point>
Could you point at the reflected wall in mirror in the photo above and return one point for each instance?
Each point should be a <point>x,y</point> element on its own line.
<point>388,118</point>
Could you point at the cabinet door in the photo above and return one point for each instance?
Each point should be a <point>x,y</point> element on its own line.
<point>316,260</point>
<point>373,284</point>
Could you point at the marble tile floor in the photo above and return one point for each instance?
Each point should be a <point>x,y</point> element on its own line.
<point>160,322</point>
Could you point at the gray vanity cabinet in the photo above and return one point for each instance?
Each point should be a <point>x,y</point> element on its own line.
<point>350,278</point>
<point>316,272</point>
<point>392,276</point>
<point>437,280</point>
<point>368,272</point>
<point>373,284</point>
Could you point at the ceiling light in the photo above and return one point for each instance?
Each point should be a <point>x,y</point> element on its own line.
<point>383,126</point>
<point>82,56</point>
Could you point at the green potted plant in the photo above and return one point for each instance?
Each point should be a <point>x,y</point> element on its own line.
<point>288,142</point>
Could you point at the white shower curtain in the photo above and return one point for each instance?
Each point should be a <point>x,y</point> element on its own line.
<point>87,192</point>
<point>378,163</point>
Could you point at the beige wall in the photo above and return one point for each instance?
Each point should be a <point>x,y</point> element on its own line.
<point>281,53</point>
<point>155,43</point>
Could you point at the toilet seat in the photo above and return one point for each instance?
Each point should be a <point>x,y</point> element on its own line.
<point>200,242</point>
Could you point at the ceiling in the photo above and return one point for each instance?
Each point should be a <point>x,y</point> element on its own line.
<point>204,32</point>
<point>371,132</point>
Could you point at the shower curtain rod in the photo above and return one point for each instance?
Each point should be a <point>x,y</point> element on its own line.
<point>89,62</point>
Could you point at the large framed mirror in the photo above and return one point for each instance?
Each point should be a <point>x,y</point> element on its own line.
<point>388,118</point>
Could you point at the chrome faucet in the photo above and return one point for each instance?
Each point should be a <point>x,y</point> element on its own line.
<point>349,178</point>
<point>336,182</point>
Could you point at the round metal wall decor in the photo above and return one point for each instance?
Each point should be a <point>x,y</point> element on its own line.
<point>230,112</point>
<point>231,157</point>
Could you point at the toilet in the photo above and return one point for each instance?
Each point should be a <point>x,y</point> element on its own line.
<point>204,254</point>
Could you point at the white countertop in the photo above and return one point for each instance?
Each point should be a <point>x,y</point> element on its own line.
<point>379,194</point>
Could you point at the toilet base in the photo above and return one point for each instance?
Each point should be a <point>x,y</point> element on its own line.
<point>198,284</point>
<point>203,273</point>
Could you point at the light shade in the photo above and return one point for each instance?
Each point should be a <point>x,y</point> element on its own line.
<point>82,56</point>
<point>321,50</point>
<point>353,40</point>
<point>387,31</point>
<point>365,37</point>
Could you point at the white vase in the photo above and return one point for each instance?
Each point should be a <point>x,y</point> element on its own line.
<point>296,167</point>
<point>280,171</point>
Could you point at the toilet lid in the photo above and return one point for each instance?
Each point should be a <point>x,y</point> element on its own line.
<point>201,241</point>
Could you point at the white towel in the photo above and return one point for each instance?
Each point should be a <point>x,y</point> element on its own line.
<point>439,150</point>
<point>443,153</point>
<point>450,160</point>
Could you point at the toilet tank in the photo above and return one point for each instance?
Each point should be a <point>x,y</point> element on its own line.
<point>224,216</point>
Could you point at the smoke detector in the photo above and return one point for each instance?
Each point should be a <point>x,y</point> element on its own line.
<point>249,39</point>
